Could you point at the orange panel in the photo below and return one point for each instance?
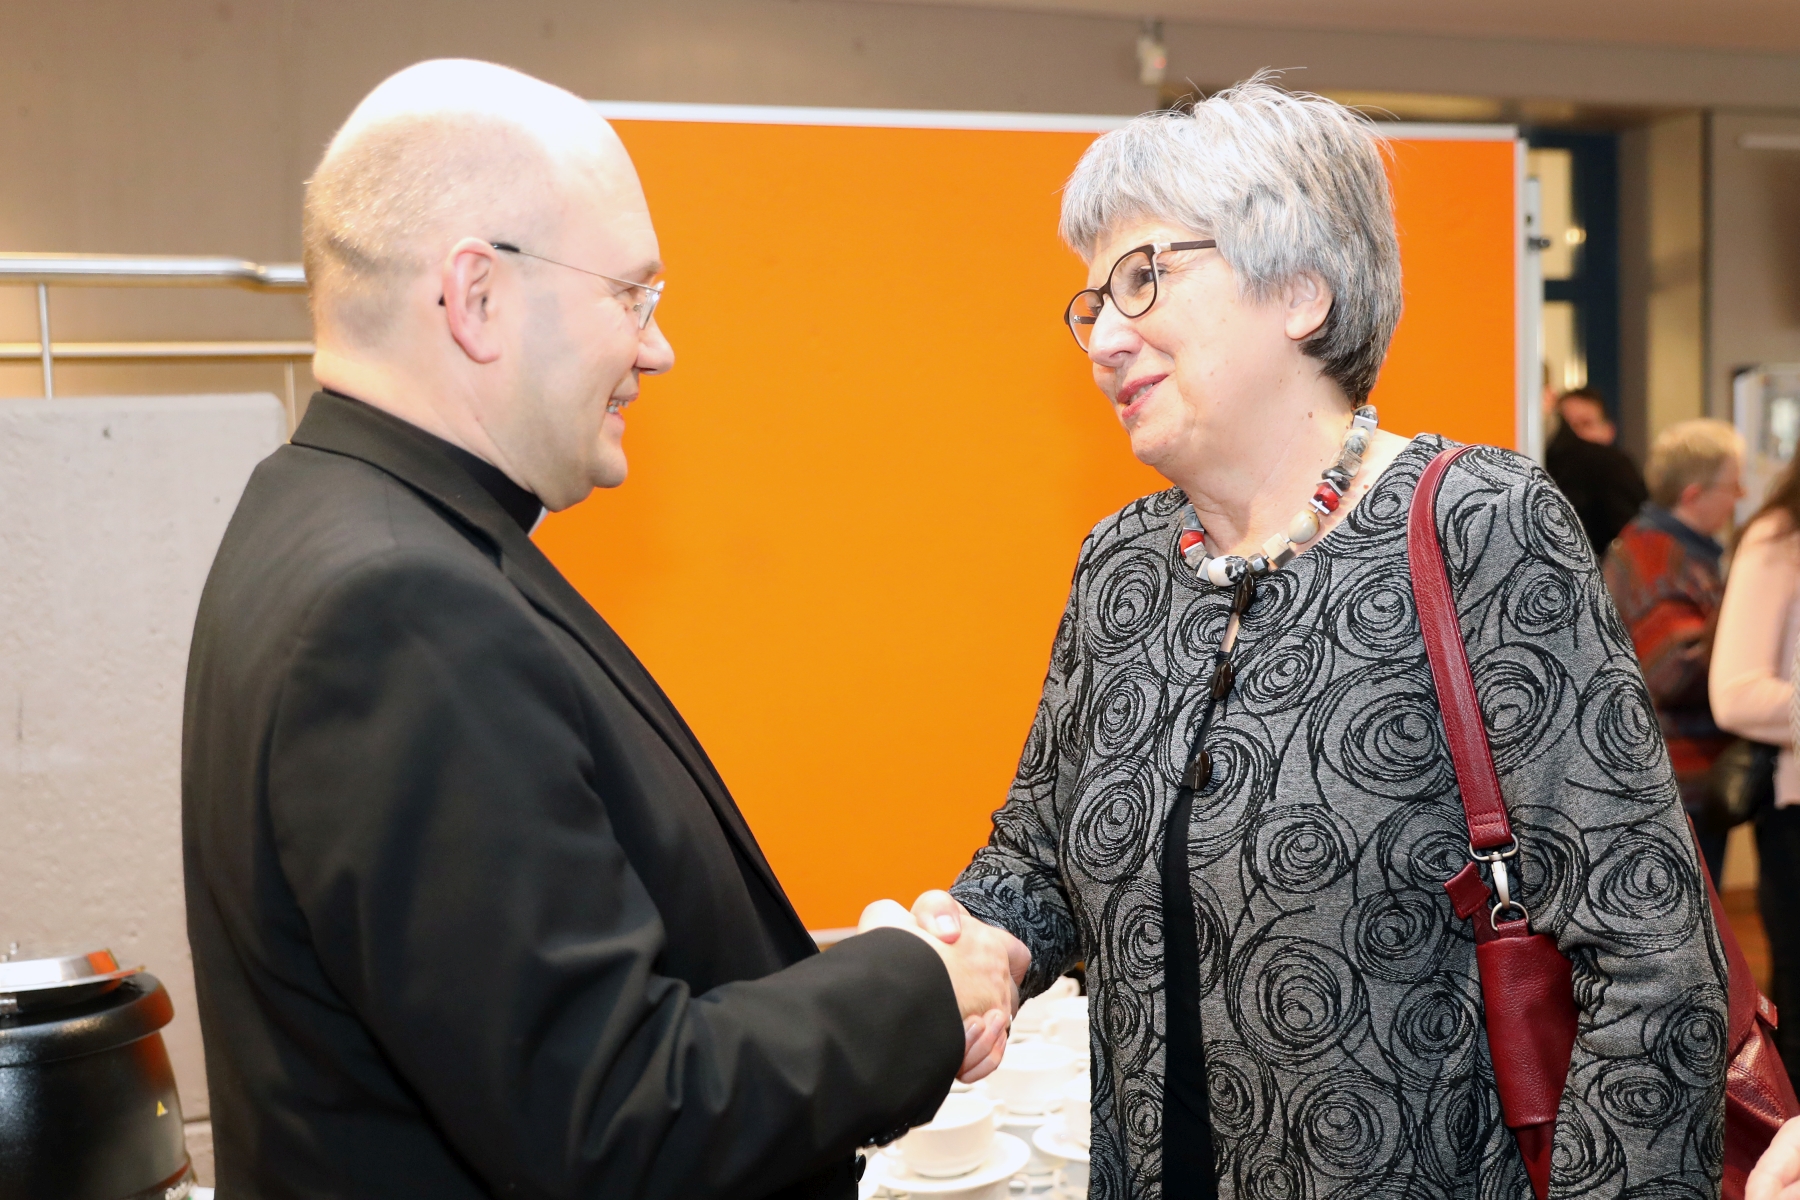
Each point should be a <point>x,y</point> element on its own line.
<point>855,504</point>
<point>1451,367</point>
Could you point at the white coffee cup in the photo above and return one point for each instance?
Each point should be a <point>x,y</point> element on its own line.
<point>1032,1014</point>
<point>1027,1079</point>
<point>1068,1024</point>
<point>956,1141</point>
<point>1078,1110</point>
<point>998,1189</point>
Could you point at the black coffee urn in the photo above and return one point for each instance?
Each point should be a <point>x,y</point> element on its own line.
<point>87,1097</point>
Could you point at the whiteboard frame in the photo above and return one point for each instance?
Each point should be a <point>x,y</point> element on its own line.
<point>922,118</point>
<point>1528,297</point>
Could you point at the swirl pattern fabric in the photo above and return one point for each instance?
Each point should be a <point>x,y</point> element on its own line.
<point>1340,1003</point>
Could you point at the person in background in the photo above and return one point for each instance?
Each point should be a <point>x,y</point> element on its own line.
<point>1751,685</point>
<point>1663,573</point>
<point>1600,480</point>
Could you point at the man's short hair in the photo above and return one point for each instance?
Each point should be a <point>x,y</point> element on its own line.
<point>384,203</point>
<point>1288,184</point>
<point>1689,452</point>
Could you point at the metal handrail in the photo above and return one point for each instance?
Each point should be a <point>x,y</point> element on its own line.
<point>147,270</point>
<point>160,351</point>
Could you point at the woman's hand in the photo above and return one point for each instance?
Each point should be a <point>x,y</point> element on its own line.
<point>1777,1174</point>
<point>984,1042</point>
<point>942,915</point>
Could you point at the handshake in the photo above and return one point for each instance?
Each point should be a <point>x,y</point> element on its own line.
<point>986,966</point>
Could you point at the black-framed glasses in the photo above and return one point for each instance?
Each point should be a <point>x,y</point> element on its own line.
<point>648,294</point>
<point>1131,285</point>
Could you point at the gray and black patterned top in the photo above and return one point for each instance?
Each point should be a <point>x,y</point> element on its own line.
<point>1339,998</point>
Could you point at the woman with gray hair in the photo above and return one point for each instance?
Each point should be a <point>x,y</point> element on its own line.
<point>1236,805</point>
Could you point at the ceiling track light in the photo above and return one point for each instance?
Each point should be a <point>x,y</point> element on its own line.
<point>1152,54</point>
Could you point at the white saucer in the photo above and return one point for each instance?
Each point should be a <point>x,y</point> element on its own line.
<point>1025,1127</point>
<point>1006,1159</point>
<point>1049,1139</point>
<point>1033,1120</point>
<point>1052,1105</point>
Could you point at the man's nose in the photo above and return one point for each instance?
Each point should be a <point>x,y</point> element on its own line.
<point>655,354</point>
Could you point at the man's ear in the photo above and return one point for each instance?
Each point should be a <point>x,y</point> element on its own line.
<point>471,308</point>
<point>1308,303</point>
<point>1689,494</point>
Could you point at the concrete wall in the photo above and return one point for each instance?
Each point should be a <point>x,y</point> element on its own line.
<point>1753,275</point>
<point>114,508</point>
<point>188,126</point>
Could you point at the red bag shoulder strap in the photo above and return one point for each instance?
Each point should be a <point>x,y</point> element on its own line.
<point>1483,804</point>
<point>1464,729</point>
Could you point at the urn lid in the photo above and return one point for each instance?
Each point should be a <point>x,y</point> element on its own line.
<point>125,1010</point>
<point>52,982</point>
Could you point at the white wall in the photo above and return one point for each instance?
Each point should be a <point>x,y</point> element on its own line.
<point>113,509</point>
<point>1753,269</point>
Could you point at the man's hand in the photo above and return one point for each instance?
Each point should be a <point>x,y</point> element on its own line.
<point>944,915</point>
<point>981,961</point>
<point>1777,1173</point>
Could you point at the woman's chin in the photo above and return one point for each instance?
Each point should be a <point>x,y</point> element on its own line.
<point>1151,446</point>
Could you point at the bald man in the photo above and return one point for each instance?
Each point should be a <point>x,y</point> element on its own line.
<point>472,913</point>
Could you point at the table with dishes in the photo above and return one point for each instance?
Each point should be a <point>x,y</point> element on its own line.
<point>1024,1130</point>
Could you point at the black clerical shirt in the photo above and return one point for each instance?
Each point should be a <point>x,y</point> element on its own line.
<point>518,503</point>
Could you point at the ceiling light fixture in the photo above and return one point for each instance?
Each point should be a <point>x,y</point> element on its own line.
<point>1152,54</point>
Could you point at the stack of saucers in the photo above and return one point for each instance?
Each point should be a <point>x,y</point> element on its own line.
<point>1065,1140</point>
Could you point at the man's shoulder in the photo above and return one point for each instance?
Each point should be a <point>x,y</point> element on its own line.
<point>327,500</point>
<point>1645,549</point>
<point>310,521</point>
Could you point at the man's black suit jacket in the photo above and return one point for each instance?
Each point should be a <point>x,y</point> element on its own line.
<point>472,913</point>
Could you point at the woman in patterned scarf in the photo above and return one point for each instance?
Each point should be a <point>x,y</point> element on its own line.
<point>1243,825</point>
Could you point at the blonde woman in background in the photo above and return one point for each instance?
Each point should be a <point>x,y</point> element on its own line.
<point>1751,685</point>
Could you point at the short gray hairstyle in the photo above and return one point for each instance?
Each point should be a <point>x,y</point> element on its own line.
<point>1289,184</point>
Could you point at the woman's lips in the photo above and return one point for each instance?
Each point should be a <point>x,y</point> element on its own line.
<point>1139,392</point>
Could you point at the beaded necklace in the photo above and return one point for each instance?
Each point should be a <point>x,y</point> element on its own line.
<point>1227,569</point>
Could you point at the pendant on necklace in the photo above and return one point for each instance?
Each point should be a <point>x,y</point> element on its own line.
<point>1199,772</point>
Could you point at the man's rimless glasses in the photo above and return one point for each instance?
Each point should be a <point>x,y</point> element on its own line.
<point>1131,284</point>
<point>643,309</point>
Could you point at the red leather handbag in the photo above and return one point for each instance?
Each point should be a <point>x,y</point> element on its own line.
<point>1526,991</point>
